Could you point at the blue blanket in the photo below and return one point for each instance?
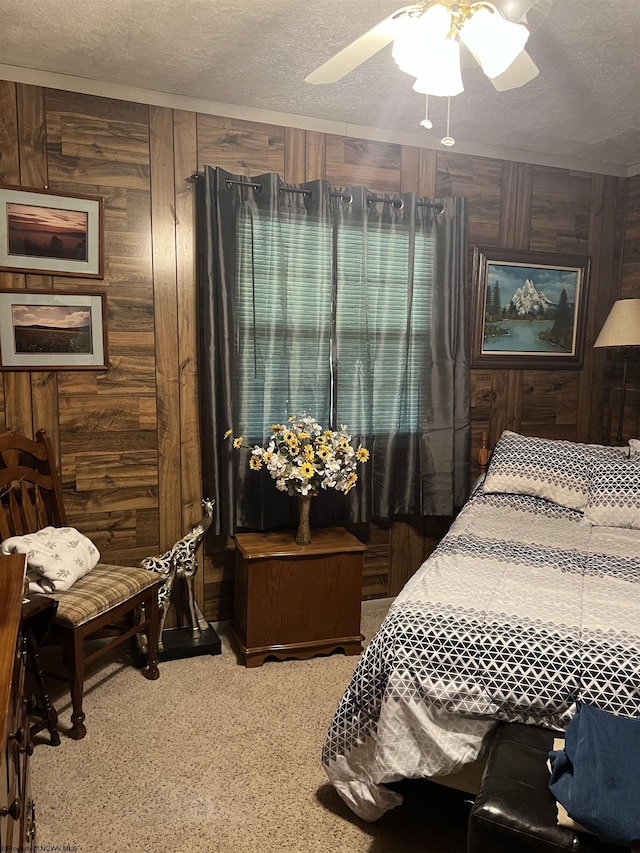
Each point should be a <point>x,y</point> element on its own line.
<point>596,777</point>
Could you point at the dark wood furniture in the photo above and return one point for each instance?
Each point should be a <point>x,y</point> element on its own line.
<point>38,613</point>
<point>297,600</point>
<point>17,814</point>
<point>120,601</point>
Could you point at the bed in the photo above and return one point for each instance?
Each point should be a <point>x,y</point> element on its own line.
<point>529,603</point>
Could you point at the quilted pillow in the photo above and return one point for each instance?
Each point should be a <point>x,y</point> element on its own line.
<point>553,469</point>
<point>634,445</point>
<point>614,493</point>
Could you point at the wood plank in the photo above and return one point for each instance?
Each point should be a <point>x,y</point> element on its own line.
<point>33,173</point>
<point>95,471</point>
<point>166,323</point>
<point>108,441</point>
<point>185,163</point>
<point>315,156</point>
<point>107,414</point>
<point>428,173</point>
<point>9,159</point>
<point>605,287</point>
<point>19,413</point>
<point>12,385</point>
<point>410,170</point>
<point>557,181</point>
<point>120,535</point>
<point>97,106</point>
<point>399,565</point>
<point>499,384</point>
<point>114,500</point>
<point>513,407</point>
<point>294,155</point>
<point>97,173</point>
<point>32,136</point>
<point>241,147</point>
<point>93,138</point>
<point>515,219</point>
<point>17,402</point>
<point>44,397</point>
<point>376,165</point>
<point>365,153</point>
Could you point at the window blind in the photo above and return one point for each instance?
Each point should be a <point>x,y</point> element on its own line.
<point>289,330</point>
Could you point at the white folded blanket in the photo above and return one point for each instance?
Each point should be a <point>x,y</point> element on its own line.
<point>56,557</point>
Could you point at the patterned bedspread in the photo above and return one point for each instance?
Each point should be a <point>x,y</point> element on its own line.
<point>523,608</point>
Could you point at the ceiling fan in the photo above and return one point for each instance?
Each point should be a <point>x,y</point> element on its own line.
<point>433,38</point>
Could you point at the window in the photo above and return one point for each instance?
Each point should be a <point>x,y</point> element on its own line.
<point>350,307</point>
<point>355,347</point>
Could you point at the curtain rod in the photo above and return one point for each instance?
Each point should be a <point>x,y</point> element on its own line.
<point>346,198</point>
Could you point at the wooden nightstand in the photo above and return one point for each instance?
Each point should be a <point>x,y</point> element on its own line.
<point>297,600</point>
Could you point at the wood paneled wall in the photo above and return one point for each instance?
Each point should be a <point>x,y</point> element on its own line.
<point>128,438</point>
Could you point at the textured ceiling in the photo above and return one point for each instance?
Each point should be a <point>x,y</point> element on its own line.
<point>584,105</point>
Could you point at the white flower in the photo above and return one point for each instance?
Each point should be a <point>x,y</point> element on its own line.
<point>329,451</point>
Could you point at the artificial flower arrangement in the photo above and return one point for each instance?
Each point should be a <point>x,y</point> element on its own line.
<point>303,458</point>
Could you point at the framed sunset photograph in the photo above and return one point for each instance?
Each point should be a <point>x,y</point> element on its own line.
<point>46,330</point>
<point>50,233</point>
<point>528,309</point>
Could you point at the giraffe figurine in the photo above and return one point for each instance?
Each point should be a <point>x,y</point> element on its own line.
<point>180,562</point>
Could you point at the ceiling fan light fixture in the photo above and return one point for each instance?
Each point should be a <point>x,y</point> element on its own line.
<point>419,38</point>
<point>440,75</point>
<point>494,41</point>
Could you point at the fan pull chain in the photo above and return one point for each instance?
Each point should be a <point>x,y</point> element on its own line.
<point>448,140</point>
<point>426,122</point>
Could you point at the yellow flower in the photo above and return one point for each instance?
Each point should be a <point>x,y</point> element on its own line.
<point>344,444</point>
<point>267,456</point>
<point>362,454</point>
<point>352,479</point>
<point>306,469</point>
<point>255,464</point>
<point>227,433</point>
<point>323,452</point>
<point>237,442</point>
<point>289,436</point>
<point>276,427</point>
<point>308,452</point>
<point>303,435</point>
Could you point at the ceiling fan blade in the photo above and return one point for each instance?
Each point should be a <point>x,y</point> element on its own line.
<point>356,53</point>
<point>521,70</point>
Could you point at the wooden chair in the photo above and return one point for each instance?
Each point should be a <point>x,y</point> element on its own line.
<point>30,499</point>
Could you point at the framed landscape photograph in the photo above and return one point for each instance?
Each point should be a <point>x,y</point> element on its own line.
<point>50,233</point>
<point>45,330</point>
<point>528,309</point>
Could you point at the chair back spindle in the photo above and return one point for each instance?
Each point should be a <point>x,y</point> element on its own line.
<point>30,492</point>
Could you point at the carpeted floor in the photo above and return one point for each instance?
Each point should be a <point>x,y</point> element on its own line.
<point>217,758</point>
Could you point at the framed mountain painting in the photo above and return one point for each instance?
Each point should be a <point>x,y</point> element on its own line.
<point>529,309</point>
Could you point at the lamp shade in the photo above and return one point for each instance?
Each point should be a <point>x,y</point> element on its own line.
<point>494,41</point>
<point>423,48</point>
<point>622,326</point>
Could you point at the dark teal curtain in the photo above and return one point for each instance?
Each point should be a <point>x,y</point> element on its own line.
<point>345,305</point>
